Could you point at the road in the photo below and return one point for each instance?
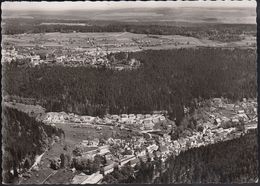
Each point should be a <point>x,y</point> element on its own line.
<point>37,160</point>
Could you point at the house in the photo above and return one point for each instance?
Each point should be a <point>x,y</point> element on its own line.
<point>167,138</point>
<point>217,121</point>
<point>109,168</point>
<point>164,150</point>
<point>156,120</point>
<point>243,116</point>
<point>140,116</point>
<point>129,121</point>
<point>87,119</point>
<point>134,162</point>
<point>90,143</point>
<point>104,150</point>
<point>182,142</point>
<point>235,120</point>
<point>124,116</point>
<point>88,156</point>
<point>87,151</point>
<point>230,107</point>
<point>143,158</point>
<point>126,159</point>
<point>60,59</point>
<point>94,178</point>
<point>110,140</point>
<point>132,116</point>
<point>107,121</point>
<point>78,179</point>
<point>163,112</point>
<point>99,128</point>
<point>151,156</point>
<point>176,144</point>
<point>115,117</point>
<point>118,141</point>
<point>108,157</point>
<point>148,124</point>
<point>240,111</point>
<point>216,100</point>
<point>35,59</point>
<point>152,148</point>
<point>158,153</point>
<point>142,153</point>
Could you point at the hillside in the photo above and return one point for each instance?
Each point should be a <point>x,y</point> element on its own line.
<point>23,138</point>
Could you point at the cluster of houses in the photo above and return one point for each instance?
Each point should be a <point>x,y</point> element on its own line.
<point>222,114</point>
<point>36,55</point>
<point>139,121</point>
<point>9,55</point>
<point>140,148</point>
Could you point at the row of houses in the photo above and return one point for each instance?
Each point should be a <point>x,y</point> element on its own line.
<point>143,121</point>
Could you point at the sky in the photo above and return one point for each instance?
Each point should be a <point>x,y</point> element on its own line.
<point>54,6</point>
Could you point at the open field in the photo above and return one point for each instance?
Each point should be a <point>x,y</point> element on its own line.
<point>73,136</point>
<point>76,135</point>
<point>118,41</point>
<point>46,174</point>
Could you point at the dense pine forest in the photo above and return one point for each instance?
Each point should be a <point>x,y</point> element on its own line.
<point>23,138</point>
<point>167,80</point>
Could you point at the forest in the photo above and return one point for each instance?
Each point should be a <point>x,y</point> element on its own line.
<point>218,32</point>
<point>167,80</point>
<point>23,138</point>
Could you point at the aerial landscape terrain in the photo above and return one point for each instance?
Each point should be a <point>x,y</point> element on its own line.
<point>159,94</point>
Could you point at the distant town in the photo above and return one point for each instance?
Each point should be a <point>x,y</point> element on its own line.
<point>34,56</point>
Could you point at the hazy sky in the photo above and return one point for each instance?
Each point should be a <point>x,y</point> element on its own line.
<point>23,5</point>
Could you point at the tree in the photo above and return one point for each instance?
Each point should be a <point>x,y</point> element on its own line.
<point>63,160</point>
<point>27,163</point>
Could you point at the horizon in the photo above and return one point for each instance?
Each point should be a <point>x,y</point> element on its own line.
<point>106,5</point>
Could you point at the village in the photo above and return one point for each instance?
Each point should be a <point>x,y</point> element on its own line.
<point>95,49</point>
<point>95,57</point>
<point>151,138</point>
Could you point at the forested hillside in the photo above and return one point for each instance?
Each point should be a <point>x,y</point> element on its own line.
<point>232,161</point>
<point>167,80</point>
<point>22,139</point>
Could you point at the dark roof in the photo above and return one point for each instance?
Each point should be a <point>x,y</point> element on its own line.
<point>163,149</point>
<point>144,158</point>
<point>158,153</point>
<point>151,155</point>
